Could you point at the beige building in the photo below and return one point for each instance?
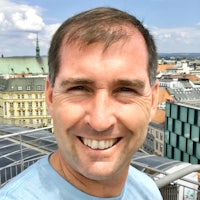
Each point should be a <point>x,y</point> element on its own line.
<point>22,84</point>
<point>22,101</point>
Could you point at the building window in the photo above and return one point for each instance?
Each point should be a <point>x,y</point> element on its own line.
<point>19,88</point>
<point>30,113</point>
<point>28,87</point>
<point>38,87</point>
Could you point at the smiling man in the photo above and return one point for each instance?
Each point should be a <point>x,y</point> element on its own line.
<point>101,93</point>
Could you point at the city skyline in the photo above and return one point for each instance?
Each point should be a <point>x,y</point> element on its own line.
<point>174,24</point>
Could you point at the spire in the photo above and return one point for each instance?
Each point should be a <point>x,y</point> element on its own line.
<point>37,47</point>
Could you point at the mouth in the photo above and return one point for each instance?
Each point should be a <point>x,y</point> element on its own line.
<point>99,144</point>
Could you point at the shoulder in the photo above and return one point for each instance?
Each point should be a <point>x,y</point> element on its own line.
<point>24,183</point>
<point>141,186</point>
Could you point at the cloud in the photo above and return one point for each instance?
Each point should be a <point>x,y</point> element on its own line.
<point>180,39</point>
<point>19,24</point>
<point>27,19</point>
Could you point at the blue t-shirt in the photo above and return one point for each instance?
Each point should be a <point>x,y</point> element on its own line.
<point>41,182</point>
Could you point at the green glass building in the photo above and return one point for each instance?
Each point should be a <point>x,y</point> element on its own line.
<point>182,132</point>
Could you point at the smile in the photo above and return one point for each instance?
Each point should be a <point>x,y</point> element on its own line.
<point>99,144</point>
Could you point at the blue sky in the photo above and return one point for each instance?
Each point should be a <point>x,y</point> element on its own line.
<point>175,24</point>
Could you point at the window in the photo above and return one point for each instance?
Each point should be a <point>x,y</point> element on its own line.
<point>28,87</point>
<point>19,88</point>
<point>38,87</point>
<point>30,113</point>
<point>12,113</point>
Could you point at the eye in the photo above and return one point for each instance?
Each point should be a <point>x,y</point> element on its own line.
<point>77,88</point>
<point>125,89</point>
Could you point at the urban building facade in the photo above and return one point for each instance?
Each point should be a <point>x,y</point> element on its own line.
<point>182,132</point>
<point>22,102</point>
<point>154,143</point>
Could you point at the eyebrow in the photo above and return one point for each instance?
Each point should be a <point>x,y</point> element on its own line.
<point>138,84</point>
<point>76,81</point>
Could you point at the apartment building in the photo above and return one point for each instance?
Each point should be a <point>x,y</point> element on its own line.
<point>22,101</point>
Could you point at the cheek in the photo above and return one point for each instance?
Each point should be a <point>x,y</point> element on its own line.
<point>135,115</point>
<point>66,114</point>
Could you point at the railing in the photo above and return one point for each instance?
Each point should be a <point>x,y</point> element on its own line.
<point>9,172</point>
<point>19,150</point>
<point>176,185</point>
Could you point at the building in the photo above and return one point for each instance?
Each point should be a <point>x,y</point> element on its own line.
<point>154,143</point>
<point>22,84</point>
<point>182,132</point>
<point>24,65</point>
<point>22,102</point>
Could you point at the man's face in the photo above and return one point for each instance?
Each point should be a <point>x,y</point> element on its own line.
<point>101,105</point>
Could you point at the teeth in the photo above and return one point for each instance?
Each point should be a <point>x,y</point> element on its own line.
<point>99,144</point>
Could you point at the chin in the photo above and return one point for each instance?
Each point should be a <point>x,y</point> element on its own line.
<point>101,171</point>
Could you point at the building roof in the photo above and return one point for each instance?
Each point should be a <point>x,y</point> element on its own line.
<point>164,67</point>
<point>182,95</point>
<point>22,84</point>
<point>23,65</point>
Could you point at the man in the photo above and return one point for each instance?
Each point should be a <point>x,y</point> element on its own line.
<point>101,93</point>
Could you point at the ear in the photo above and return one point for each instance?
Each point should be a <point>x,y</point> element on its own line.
<point>155,95</point>
<point>49,96</point>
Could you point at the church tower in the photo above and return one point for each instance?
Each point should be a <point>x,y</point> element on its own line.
<point>37,47</point>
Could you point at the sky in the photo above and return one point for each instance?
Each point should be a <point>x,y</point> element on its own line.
<point>175,24</point>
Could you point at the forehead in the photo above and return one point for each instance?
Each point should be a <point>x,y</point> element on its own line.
<point>125,59</point>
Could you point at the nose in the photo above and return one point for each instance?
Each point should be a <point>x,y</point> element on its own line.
<point>100,114</point>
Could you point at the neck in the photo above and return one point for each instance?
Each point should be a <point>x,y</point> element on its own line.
<point>110,187</point>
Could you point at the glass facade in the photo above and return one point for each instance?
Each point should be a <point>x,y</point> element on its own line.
<point>182,133</point>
